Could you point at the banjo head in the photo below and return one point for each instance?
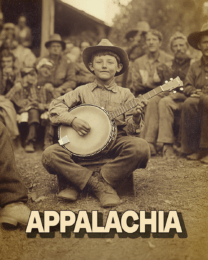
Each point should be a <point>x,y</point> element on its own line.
<point>99,135</point>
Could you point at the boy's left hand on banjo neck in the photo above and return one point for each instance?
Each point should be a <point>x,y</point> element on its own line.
<point>138,110</point>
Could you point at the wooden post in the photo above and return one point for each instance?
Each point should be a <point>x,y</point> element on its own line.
<point>47,24</point>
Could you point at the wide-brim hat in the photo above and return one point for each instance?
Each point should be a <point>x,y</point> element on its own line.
<point>195,37</point>
<point>55,38</point>
<point>106,45</point>
<point>142,26</point>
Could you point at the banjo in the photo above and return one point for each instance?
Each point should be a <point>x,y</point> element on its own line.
<point>103,132</point>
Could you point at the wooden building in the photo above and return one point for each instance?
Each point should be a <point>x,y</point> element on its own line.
<point>46,17</point>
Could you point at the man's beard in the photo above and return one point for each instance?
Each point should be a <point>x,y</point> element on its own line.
<point>180,56</point>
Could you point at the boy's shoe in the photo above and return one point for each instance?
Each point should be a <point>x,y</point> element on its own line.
<point>103,191</point>
<point>29,148</point>
<point>15,213</point>
<point>69,193</point>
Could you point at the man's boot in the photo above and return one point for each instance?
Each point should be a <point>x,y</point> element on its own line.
<point>103,191</point>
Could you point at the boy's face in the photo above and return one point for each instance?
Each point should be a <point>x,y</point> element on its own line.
<point>105,67</point>
<point>7,62</point>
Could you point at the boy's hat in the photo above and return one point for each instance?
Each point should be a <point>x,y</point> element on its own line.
<point>106,45</point>
<point>26,71</point>
<point>195,37</point>
<point>55,38</point>
<point>142,26</point>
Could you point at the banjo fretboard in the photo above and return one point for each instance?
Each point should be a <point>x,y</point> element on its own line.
<point>134,102</point>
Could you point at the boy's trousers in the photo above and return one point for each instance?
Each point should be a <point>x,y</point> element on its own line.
<point>129,153</point>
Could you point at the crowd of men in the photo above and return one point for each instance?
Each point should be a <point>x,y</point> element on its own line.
<point>169,122</point>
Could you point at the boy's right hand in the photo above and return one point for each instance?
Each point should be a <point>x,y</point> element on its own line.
<point>81,126</point>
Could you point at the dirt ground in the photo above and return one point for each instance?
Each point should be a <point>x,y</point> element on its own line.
<point>164,185</point>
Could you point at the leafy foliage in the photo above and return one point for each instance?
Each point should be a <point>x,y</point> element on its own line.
<point>167,16</point>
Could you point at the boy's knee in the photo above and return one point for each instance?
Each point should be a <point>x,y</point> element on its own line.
<point>141,149</point>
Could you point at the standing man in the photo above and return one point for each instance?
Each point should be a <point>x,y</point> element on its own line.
<point>63,74</point>
<point>144,74</point>
<point>162,109</point>
<point>194,129</point>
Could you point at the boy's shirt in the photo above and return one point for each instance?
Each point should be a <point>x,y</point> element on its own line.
<point>110,98</point>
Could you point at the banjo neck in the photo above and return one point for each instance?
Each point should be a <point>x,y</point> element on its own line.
<point>134,102</point>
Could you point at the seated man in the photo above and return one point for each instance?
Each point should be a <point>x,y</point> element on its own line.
<point>144,73</point>
<point>161,110</point>
<point>13,193</point>
<point>34,99</point>
<point>194,123</point>
<point>9,77</point>
<point>8,40</point>
<point>63,73</point>
<point>105,61</point>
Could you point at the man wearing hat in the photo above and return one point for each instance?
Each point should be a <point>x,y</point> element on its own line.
<point>162,109</point>
<point>136,40</point>
<point>105,61</point>
<point>194,128</point>
<point>63,75</point>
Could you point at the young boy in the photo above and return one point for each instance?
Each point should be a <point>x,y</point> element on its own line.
<point>105,61</point>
